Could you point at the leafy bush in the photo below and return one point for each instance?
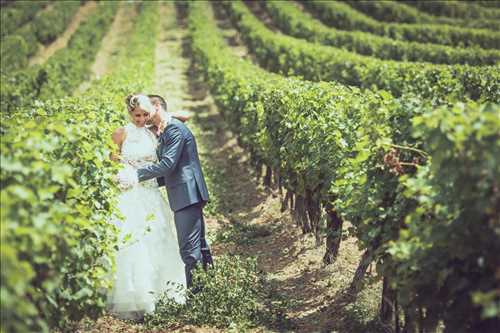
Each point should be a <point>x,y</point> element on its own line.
<point>447,253</point>
<point>58,195</point>
<point>242,233</point>
<point>14,51</point>
<point>231,295</point>
<point>56,198</point>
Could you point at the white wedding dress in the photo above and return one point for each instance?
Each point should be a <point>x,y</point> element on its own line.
<point>148,257</point>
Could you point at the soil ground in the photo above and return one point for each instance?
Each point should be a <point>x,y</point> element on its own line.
<point>114,40</point>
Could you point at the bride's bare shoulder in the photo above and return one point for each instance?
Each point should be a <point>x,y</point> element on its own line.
<point>119,135</point>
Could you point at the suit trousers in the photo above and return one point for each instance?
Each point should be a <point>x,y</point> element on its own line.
<point>190,230</point>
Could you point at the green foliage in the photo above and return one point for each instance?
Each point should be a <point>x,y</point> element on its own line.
<point>322,138</point>
<point>58,195</point>
<point>278,118</point>
<point>291,56</point>
<point>43,28</point>
<point>342,16</point>
<point>291,20</point>
<point>447,253</point>
<point>233,294</point>
<point>15,15</point>
<point>50,24</point>
<point>12,61</point>
<point>358,149</point>
<point>397,11</point>
<point>419,184</point>
<point>15,52</point>
<point>488,4</point>
<point>457,9</point>
<point>56,200</point>
<point>64,71</point>
<point>242,233</point>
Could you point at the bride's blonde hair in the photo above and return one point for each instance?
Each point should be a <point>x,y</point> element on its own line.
<point>139,100</point>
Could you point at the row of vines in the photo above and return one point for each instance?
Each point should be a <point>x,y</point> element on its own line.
<point>27,27</point>
<point>406,152</point>
<point>57,188</point>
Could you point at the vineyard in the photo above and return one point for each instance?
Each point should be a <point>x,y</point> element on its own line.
<point>351,150</point>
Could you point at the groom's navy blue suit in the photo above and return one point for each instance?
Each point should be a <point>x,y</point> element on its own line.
<point>179,170</point>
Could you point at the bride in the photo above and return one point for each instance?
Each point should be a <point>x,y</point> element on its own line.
<point>148,262</point>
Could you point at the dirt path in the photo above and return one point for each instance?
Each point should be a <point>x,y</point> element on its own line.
<point>114,40</point>
<point>45,52</point>
<point>171,79</point>
<point>260,229</point>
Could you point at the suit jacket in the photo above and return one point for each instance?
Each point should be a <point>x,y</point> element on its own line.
<point>179,166</point>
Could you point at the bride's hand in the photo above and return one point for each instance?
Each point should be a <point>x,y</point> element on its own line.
<point>122,186</point>
<point>127,177</point>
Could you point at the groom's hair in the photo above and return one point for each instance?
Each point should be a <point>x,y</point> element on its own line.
<point>157,99</point>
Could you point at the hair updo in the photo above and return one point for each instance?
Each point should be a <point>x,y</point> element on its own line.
<point>139,100</point>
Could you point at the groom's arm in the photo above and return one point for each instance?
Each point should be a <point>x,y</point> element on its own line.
<point>170,152</point>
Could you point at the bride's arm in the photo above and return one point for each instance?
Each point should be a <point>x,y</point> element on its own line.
<point>118,137</point>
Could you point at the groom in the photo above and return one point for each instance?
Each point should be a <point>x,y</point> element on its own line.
<point>179,170</point>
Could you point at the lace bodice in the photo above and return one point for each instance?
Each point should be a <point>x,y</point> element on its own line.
<point>139,148</point>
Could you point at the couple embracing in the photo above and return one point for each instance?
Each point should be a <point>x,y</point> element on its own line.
<point>158,244</point>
